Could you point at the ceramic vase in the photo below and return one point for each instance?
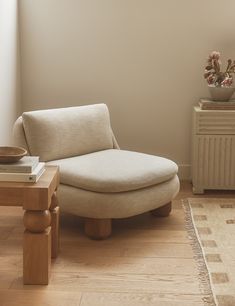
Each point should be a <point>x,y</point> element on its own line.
<point>219,93</point>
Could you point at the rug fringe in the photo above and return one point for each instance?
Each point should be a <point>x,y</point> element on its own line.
<point>203,273</point>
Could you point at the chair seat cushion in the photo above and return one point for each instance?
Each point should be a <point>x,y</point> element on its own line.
<point>115,170</point>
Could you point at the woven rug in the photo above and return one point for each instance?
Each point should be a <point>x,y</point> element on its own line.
<point>211,228</point>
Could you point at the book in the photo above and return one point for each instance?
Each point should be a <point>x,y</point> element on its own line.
<point>26,165</point>
<point>207,104</point>
<point>24,177</point>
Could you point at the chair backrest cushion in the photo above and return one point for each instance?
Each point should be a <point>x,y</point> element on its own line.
<point>65,132</point>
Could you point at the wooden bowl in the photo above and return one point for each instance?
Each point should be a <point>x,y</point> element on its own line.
<point>11,154</point>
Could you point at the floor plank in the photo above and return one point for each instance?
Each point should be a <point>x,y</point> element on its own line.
<point>39,298</point>
<point>142,249</point>
<point>139,299</point>
<point>117,282</point>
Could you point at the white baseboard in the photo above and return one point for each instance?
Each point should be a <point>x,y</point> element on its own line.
<point>184,172</point>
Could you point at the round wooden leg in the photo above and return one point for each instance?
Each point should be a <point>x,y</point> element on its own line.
<point>162,211</point>
<point>98,228</point>
<point>37,247</point>
<point>37,221</point>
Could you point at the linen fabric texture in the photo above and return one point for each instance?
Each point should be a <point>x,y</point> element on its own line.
<point>97,179</point>
<point>103,205</point>
<point>65,132</point>
<point>115,170</point>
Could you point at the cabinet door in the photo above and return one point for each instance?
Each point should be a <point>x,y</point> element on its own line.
<point>213,162</point>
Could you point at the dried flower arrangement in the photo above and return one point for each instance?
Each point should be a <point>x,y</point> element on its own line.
<point>213,73</point>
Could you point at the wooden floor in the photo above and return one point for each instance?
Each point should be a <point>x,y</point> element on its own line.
<point>147,261</point>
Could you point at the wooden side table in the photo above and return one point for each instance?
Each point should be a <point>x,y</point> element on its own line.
<point>41,221</point>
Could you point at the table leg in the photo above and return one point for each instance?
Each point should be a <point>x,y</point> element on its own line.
<point>37,247</point>
<point>55,213</point>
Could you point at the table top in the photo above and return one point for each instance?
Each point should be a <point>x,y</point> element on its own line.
<point>33,196</point>
<point>43,182</point>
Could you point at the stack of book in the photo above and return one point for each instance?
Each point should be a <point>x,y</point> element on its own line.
<point>28,169</point>
<point>207,104</point>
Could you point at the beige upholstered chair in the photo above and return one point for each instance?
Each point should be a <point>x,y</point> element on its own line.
<point>98,180</point>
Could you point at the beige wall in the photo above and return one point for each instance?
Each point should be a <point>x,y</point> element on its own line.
<point>144,58</point>
<point>9,69</point>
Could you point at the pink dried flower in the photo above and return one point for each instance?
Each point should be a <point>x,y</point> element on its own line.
<point>210,79</point>
<point>213,73</point>
<point>215,55</point>
<point>227,82</point>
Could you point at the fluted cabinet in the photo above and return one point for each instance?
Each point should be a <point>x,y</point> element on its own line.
<point>213,150</point>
